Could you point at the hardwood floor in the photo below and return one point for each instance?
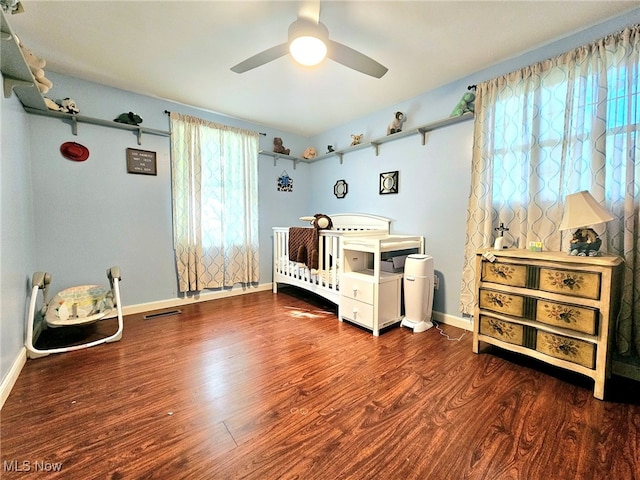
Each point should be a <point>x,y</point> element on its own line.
<point>268,386</point>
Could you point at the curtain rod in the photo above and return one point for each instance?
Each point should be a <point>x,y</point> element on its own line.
<point>167,112</point>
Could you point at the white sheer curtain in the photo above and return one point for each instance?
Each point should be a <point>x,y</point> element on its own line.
<point>567,124</point>
<point>215,203</point>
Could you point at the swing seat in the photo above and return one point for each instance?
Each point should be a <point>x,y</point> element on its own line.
<point>73,307</point>
<point>80,305</point>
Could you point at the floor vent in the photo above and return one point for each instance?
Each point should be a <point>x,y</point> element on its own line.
<point>162,314</point>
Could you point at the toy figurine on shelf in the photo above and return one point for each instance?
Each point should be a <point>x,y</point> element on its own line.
<point>396,125</point>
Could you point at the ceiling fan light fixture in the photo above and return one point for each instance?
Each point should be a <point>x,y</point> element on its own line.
<point>308,41</point>
<point>308,50</point>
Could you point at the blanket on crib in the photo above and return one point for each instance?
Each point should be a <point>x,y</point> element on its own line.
<point>303,246</point>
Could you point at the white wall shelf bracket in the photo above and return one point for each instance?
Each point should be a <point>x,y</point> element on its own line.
<point>11,83</point>
<point>424,134</point>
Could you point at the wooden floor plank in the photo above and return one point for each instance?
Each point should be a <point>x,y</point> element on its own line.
<point>271,386</point>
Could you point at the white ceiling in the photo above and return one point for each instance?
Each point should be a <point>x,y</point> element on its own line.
<point>183,51</point>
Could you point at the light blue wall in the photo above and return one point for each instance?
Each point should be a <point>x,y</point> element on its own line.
<point>93,214</point>
<point>435,178</point>
<point>433,182</point>
<point>17,258</point>
<point>76,219</point>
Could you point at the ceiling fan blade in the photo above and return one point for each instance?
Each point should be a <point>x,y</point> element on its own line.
<point>261,58</point>
<point>355,60</point>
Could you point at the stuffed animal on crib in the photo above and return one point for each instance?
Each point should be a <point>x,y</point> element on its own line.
<point>309,152</point>
<point>355,139</point>
<point>278,147</point>
<point>322,222</point>
<point>396,124</point>
<point>466,103</point>
<point>36,65</point>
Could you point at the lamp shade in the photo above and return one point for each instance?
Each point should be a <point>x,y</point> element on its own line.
<point>582,210</point>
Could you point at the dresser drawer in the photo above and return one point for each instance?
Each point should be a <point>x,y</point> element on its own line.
<point>504,273</point>
<point>501,302</point>
<point>356,311</point>
<point>565,348</point>
<point>570,282</point>
<point>357,286</point>
<point>502,330</point>
<point>580,319</point>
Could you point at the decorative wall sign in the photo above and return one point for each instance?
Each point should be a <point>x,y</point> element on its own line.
<point>340,189</point>
<point>285,182</point>
<point>141,161</point>
<point>388,182</point>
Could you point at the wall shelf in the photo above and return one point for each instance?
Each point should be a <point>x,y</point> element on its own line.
<point>422,131</point>
<point>17,76</point>
<point>74,119</point>
<point>18,79</point>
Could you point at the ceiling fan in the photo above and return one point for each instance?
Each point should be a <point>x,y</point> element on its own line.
<point>306,34</point>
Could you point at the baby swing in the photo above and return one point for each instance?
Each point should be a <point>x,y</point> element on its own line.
<point>75,306</point>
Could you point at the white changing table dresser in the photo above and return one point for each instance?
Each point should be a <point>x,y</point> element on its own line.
<point>370,297</point>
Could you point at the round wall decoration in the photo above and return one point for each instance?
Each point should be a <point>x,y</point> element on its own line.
<point>340,189</point>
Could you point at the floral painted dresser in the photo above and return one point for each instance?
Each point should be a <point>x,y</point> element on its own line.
<point>558,308</point>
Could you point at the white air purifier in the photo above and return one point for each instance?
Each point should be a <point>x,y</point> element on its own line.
<point>418,292</point>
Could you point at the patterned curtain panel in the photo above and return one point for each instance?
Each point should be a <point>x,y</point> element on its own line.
<point>215,203</point>
<point>563,125</point>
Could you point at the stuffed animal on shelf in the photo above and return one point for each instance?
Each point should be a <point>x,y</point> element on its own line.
<point>330,149</point>
<point>310,152</point>
<point>396,124</point>
<point>36,65</point>
<point>51,104</point>
<point>466,103</point>
<point>355,139</point>
<point>129,118</point>
<point>278,147</point>
<point>11,6</point>
<point>68,105</point>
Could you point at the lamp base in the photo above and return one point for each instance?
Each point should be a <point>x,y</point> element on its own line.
<point>585,243</point>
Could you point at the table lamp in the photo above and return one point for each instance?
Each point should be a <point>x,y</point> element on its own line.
<point>581,211</point>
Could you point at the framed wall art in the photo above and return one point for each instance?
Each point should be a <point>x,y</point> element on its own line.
<point>340,189</point>
<point>142,162</point>
<point>285,182</point>
<point>388,182</point>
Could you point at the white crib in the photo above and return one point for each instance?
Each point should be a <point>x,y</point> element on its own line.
<point>325,280</point>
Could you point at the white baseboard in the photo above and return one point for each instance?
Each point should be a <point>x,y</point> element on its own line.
<point>188,300</point>
<point>454,321</point>
<point>12,376</point>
